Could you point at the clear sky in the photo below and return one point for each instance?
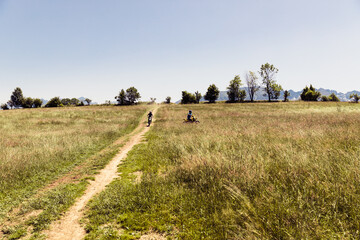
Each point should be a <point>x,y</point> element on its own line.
<point>74,48</point>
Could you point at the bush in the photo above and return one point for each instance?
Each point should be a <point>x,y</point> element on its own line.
<point>37,102</point>
<point>333,98</point>
<point>355,97</point>
<point>54,102</point>
<point>310,94</point>
<point>324,98</point>
<point>4,106</point>
<point>28,102</point>
<point>168,100</point>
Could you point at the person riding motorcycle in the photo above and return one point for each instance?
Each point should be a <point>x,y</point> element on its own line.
<point>189,116</point>
<point>150,114</point>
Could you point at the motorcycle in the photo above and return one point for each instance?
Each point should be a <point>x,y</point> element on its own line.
<point>193,119</point>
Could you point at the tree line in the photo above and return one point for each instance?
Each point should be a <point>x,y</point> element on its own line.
<point>272,90</point>
<point>17,100</point>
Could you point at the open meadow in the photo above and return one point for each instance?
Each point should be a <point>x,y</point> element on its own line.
<point>39,146</point>
<point>247,171</point>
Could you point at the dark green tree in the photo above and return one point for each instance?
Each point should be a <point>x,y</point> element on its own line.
<point>75,102</point>
<point>310,94</point>
<point>4,106</point>
<point>54,102</point>
<point>333,98</point>
<point>324,98</point>
<point>132,95</point>
<point>10,104</point>
<point>187,98</point>
<point>212,93</point>
<point>268,72</point>
<point>37,102</point>
<point>121,98</point>
<point>168,100</point>
<point>17,97</point>
<point>234,92</point>
<point>66,101</point>
<point>88,101</point>
<point>355,97</point>
<point>286,95</point>
<point>28,102</point>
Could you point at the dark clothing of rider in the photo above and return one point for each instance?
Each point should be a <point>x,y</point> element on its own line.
<point>189,116</point>
<point>150,115</point>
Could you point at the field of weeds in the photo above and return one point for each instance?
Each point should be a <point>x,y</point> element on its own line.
<point>247,171</point>
<point>39,145</point>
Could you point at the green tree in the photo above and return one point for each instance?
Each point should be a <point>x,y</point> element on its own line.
<point>286,95</point>
<point>324,98</point>
<point>54,102</point>
<point>10,104</point>
<point>168,100</point>
<point>17,97</point>
<point>88,101</point>
<point>275,90</point>
<point>28,102</point>
<point>310,94</point>
<point>212,93</point>
<point>234,92</point>
<point>187,98</point>
<point>198,96</point>
<point>132,95</point>
<point>333,98</point>
<point>66,101</point>
<point>75,101</point>
<point>355,97</point>
<point>268,72</point>
<point>121,98</point>
<point>4,106</point>
<point>252,85</point>
<point>37,102</point>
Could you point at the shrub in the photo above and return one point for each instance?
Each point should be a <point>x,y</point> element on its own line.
<point>54,102</point>
<point>37,102</point>
<point>333,98</point>
<point>4,106</point>
<point>324,98</point>
<point>28,102</point>
<point>355,97</point>
<point>310,94</point>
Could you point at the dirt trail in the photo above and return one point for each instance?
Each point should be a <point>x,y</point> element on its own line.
<point>68,227</point>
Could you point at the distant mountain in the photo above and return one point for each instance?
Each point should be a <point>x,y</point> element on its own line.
<point>294,95</point>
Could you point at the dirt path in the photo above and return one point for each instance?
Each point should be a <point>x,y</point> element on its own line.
<point>68,227</point>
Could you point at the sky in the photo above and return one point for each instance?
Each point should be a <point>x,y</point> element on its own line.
<point>95,48</point>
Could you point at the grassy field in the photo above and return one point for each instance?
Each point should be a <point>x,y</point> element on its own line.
<point>247,171</point>
<point>39,145</point>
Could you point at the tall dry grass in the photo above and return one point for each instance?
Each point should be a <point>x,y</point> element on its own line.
<point>38,145</point>
<point>247,171</point>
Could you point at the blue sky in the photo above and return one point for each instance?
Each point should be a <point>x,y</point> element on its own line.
<point>73,48</point>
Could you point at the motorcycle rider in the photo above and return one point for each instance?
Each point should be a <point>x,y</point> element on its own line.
<point>189,116</point>
<point>149,118</point>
